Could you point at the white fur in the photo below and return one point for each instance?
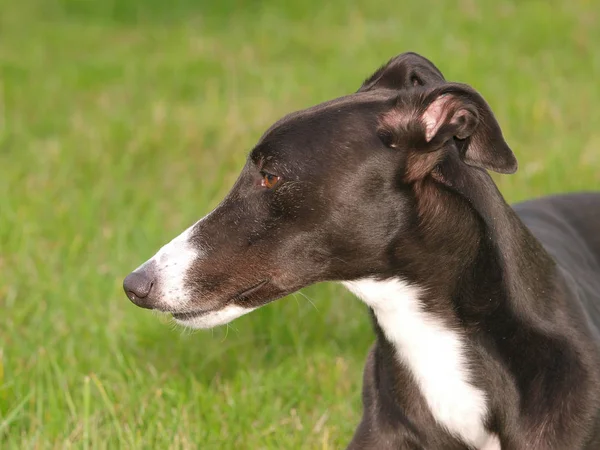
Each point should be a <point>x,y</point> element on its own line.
<point>215,318</point>
<point>435,356</point>
<point>173,261</point>
<point>493,443</point>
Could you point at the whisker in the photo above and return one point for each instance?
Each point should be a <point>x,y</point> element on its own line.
<point>309,300</point>
<point>226,333</point>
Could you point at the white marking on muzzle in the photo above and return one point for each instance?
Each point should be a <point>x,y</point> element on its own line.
<point>434,354</point>
<point>215,318</point>
<point>172,263</point>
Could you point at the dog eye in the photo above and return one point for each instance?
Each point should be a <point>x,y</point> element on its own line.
<point>268,180</point>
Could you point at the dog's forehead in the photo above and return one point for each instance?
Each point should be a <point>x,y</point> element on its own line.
<point>334,121</point>
<point>337,109</point>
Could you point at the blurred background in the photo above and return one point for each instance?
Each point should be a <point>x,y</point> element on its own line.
<point>124,121</point>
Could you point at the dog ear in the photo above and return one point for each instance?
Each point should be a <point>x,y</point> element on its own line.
<point>450,117</point>
<point>404,71</point>
<point>457,112</point>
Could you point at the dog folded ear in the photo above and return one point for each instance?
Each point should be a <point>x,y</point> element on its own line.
<point>456,112</point>
<point>404,71</point>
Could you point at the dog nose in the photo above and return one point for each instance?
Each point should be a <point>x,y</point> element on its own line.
<point>138,287</point>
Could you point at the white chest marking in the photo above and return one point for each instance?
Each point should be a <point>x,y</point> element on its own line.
<point>435,356</point>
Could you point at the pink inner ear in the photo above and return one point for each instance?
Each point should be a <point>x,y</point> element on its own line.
<point>434,116</point>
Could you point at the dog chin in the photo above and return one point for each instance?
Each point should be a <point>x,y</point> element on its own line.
<point>213,319</point>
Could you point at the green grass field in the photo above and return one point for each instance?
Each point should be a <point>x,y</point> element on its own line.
<point>123,121</point>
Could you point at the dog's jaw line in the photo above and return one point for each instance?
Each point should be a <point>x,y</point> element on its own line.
<point>214,318</point>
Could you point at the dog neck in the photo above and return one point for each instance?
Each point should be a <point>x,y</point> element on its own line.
<point>477,262</point>
<point>433,352</point>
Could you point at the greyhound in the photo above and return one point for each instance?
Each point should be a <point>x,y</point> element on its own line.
<point>487,317</point>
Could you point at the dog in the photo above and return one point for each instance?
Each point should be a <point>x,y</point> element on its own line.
<point>486,317</point>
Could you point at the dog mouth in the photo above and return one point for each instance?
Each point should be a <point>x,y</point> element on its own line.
<point>182,316</point>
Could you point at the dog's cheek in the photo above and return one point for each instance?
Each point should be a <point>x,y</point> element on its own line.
<point>302,205</point>
<point>302,259</point>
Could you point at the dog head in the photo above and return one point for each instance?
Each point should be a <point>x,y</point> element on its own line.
<point>326,194</point>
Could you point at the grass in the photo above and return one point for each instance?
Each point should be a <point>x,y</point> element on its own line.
<point>123,121</point>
